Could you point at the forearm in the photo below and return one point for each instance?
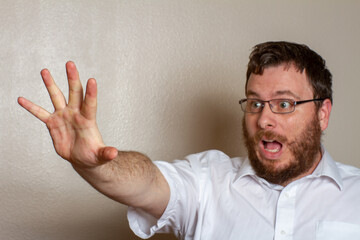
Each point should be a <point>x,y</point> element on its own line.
<point>132,179</point>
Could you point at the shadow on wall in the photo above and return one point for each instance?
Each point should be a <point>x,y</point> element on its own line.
<point>107,225</point>
<point>210,117</point>
<point>216,126</point>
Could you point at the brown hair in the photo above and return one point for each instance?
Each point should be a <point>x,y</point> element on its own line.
<point>270,54</point>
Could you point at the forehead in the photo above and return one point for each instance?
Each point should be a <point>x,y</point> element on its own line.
<point>279,81</point>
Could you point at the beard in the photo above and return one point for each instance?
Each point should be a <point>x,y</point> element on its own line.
<point>304,150</point>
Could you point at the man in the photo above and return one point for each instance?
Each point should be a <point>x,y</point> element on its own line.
<point>288,188</point>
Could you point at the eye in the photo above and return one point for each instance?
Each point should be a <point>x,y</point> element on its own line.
<point>284,104</point>
<point>254,104</point>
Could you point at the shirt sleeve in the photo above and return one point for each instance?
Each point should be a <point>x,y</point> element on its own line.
<point>180,214</point>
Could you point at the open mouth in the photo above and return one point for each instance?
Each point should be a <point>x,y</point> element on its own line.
<point>272,146</point>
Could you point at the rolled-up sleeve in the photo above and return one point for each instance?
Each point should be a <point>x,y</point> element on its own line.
<point>180,214</point>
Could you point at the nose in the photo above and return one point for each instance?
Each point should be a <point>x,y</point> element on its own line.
<point>266,118</point>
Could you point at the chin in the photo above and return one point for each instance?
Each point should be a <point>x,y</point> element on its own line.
<point>274,165</point>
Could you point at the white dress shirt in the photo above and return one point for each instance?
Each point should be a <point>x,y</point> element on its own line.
<point>217,197</point>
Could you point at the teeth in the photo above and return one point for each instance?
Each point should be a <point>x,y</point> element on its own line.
<point>272,150</point>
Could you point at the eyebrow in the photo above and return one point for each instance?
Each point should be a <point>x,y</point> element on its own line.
<point>250,92</point>
<point>277,93</point>
<point>286,92</point>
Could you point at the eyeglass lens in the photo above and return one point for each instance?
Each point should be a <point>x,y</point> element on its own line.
<point>276,105</point>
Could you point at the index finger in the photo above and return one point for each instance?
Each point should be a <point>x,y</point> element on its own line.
<point>90,103</point>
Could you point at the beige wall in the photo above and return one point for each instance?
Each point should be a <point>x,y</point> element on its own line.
<point>170,74</point>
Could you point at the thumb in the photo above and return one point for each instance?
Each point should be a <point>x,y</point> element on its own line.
<point>107,154</point>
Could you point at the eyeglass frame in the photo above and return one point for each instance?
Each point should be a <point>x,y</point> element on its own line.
<point>271,106</point>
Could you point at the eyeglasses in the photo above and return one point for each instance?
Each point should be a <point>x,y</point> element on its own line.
<point>282,106</point>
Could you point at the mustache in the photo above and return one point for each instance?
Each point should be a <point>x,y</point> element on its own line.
<point>269,135</point>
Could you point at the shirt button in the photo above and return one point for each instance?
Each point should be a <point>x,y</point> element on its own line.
<point>287,195</point>
<point>283,232</point>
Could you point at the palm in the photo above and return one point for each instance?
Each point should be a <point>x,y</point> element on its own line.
<point>72,126</point>
<point>78,142</point>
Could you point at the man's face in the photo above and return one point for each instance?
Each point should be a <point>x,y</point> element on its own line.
<point>283,147</point>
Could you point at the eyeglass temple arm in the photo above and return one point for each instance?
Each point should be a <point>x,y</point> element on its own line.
<point>310,100</point>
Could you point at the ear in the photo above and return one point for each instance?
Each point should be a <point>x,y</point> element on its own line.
<point>324,114</point>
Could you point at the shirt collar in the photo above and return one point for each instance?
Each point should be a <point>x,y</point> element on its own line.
<point>245,169</point>
<point>327,167</point>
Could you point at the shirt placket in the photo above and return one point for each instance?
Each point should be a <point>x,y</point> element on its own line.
<point>285,214</point>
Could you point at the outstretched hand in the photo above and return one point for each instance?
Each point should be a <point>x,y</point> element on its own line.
<point>72,125</point>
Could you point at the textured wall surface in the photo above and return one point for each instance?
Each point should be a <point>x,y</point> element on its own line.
<point>169,73</point>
